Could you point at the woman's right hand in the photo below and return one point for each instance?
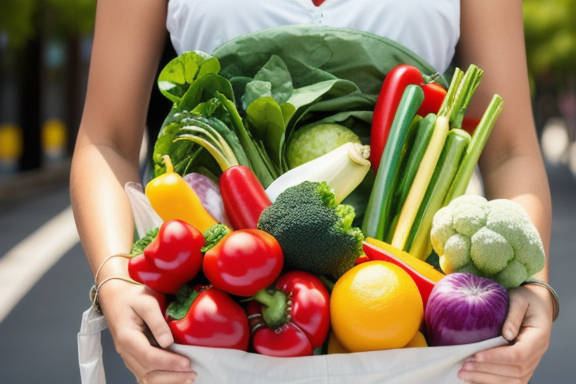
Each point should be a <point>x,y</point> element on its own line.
<point>141,334</point>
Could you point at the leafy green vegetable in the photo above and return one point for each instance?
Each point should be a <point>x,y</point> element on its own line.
<point>314,53</point>
<point>258,89</point>
<point>177,76</point>
<point>273,79</point>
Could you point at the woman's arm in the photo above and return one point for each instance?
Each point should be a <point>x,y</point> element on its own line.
<point>492,37</point>
<point>128,42</point>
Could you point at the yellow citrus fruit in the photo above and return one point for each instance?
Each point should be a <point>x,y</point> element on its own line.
<point>375,305</point>
<point>417,341</point>
<point>335,346</point>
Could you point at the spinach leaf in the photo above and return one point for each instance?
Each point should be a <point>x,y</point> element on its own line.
<point>265,120</point>
<point>177,76</point>
<point>205,88</point>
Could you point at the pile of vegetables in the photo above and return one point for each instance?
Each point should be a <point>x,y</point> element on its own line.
<point>277,171</point>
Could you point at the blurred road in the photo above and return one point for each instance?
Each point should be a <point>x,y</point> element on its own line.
<point>38,334</point>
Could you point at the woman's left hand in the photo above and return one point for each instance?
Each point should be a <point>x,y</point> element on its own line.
<point>527,327</point>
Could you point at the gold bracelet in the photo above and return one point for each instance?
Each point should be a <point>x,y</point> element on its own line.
<point>555,300</point>
<point>96,289</point>
<point>125,255</point>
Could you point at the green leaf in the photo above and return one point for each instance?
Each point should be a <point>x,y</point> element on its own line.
<point>265,119</point>
<point>314,53</point>
<point>256,89</point>
<point>177,76</point>
<point>277,74</point>
<point>205,89</point>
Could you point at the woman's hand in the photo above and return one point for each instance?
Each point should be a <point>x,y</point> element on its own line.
<point>141,334</point>
<point>528,327</point>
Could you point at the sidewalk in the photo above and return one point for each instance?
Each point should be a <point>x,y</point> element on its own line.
<point>29,183</point>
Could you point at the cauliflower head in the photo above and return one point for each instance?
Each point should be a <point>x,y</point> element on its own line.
<point>494,239</point>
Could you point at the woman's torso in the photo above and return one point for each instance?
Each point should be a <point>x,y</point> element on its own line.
<point>429,28</point>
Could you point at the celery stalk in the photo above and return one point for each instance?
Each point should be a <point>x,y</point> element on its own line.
<point>479,139</point>
<point>418,244</point>
<point>451,94</point>
<point>468,86</point>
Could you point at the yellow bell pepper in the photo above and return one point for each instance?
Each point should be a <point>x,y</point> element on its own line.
<point>173,199</point>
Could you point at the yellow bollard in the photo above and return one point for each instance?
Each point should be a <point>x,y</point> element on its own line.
<point>11,145</point>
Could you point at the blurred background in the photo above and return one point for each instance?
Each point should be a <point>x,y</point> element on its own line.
<point>44,55</point>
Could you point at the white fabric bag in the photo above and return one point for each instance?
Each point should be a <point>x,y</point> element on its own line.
<point>227,366</point>
<point>90,347</point>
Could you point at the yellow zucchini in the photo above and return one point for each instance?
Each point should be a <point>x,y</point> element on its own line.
<point>421,181</point>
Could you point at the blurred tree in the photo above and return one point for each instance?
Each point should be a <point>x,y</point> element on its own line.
<point>27,25</point>
<point>550,29</point>
<point>18,18</point>
<point>71,17</point>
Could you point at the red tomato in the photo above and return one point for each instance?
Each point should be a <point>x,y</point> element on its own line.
<point>244,262</point>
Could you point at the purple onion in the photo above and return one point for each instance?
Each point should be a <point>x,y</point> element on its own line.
<point>464,308</point>
<point>209,194</point>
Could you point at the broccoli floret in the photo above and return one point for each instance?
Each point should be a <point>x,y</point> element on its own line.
<point>493,239</point>
<point>315,233</point>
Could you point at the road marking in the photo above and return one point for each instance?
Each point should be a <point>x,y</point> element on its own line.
<point>28,261</point>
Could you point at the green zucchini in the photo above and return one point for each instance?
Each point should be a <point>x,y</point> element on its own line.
<point>405,162</point>
<point>379,203</point>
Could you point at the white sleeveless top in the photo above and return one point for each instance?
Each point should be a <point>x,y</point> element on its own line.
<point>430,28</point>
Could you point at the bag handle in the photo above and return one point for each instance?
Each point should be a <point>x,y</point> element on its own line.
<point>90,347</point>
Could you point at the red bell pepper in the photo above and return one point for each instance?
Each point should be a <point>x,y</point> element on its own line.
<point>208,317</point>
<point>243,196</point>
<point>172,259</point>
<point>395,82</point>
<point>292,318</point>
<point>434,95</point>
<point>244,262</point>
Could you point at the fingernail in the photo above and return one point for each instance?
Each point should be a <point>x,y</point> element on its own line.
<point>187,365</point>
<point>165,340</point>
<point>508,334</point>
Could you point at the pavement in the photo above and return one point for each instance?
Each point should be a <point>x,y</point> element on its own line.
<point>32,183</point>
